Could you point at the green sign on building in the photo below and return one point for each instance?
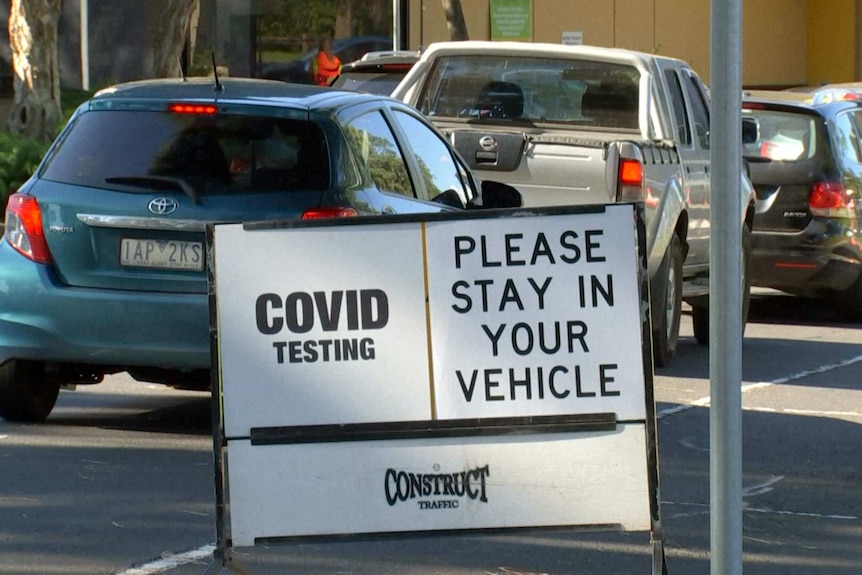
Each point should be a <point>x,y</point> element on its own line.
<point>512,20</point>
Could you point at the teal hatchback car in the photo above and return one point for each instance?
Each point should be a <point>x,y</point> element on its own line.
<point>103,264</point>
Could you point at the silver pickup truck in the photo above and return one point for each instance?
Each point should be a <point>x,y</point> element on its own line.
<point>587,125</point>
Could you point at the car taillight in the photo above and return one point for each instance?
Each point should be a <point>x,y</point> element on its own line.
<point>830,199</point>
<point>197,109</point>
<point>396,67</point>
<point>630,184</point>
<point>332,212</point>
<point>24,228</point>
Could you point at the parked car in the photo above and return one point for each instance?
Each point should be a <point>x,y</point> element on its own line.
<point>347,49</point>
<point>806,166</point>
<point>376,72</point>
<point>103,265</point>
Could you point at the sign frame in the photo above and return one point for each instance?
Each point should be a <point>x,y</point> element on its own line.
<point>391,431</point>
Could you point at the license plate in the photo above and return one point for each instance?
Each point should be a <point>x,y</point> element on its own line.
<point>166,254</point>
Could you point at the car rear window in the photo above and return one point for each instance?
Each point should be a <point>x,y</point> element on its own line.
<point>209,154</point>
<point>782,135</point>
<point>499,87</point>
<point>373,82</point>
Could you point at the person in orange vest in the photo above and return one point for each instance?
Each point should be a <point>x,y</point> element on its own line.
<point>326,65</point>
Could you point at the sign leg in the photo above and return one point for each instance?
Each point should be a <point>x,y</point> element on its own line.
<point>659,564</point>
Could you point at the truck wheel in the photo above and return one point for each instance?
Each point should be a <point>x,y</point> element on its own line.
<point>700,313</point>
<point>667,305</point>
<point>26,395</point>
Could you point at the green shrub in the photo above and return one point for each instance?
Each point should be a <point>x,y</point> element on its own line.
<point>19,158</point>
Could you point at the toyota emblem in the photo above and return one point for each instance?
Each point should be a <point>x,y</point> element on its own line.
<point>488,143</point>
<point>162,206</point>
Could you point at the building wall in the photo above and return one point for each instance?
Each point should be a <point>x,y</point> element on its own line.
<point>775,46</point>
<point>832,52</point>
<point>775,43</point>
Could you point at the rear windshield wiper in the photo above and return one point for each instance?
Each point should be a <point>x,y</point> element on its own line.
<point>157,183</point>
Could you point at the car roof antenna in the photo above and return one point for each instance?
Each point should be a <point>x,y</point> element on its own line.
<point>218,86</point>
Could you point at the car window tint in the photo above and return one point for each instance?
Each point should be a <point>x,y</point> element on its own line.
<point>436,163</point>
<point>212,154</point>
<point>376,148</point>
<point>518,88</point>
<point>680,118</point>
<point>699,109</point>
<point>849,129</point>
<point>783,136</point>
<point>371,82</point>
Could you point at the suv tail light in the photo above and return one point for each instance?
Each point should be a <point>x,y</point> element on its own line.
<point>830,199</point>
<point>332,212</point>
<point>24,230</point>
<point>630,181</point>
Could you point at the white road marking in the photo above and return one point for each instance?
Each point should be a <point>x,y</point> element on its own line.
<point>170,561</point>
<point>705,401</point>
<point>761,488</point>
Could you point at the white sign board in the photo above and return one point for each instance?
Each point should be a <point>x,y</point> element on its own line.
<point>573,38</point>
<point>422,363</point>
<point>390,486</point>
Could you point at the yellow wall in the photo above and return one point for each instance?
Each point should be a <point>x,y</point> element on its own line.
<point>785,42</point>
<point>682,31</point>
<point>775,47</point>
<point>634,27</point>
<point>594,18</point>
<point>831,32</point>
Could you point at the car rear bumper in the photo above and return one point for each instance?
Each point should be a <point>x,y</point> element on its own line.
<point>45,321</point>
<point>806,262</point>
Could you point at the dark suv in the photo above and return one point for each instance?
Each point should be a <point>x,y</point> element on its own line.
<point>376,72</point>
<point>804,150</point>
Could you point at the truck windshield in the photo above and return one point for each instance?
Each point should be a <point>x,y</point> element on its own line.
<point>510,88</point>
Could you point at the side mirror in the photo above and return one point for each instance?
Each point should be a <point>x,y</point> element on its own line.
<point>750,130</point>
<point>449,198</point>
<point>498,195</point>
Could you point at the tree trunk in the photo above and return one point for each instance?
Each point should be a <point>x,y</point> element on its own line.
<point>169,24</point>
<point>343,19</point>
<point>36,112</point>
<point>455,20</point>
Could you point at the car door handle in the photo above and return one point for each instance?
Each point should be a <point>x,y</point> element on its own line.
<point>486,157</point>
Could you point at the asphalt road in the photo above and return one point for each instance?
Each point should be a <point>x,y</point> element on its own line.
<point>120,479</point>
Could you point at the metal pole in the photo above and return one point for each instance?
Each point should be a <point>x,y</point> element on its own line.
<point>396,24</point>
<point>725,333</point>
<point>85,45</point>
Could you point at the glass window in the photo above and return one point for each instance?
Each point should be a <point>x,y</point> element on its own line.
<point>848,128</point>
<point>517,88</point>
<point>785,136</point>
<point>680,119</point>
<point>209,153</point>
<point>699,109</point>
<point>382,83</point>
<point>436,163</point>
<point>375,147</point>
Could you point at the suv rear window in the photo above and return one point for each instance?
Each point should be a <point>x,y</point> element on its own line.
<point>211,154</point>
<point>371,81</point>
<point>598,94</point>
<point>784,136</point>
